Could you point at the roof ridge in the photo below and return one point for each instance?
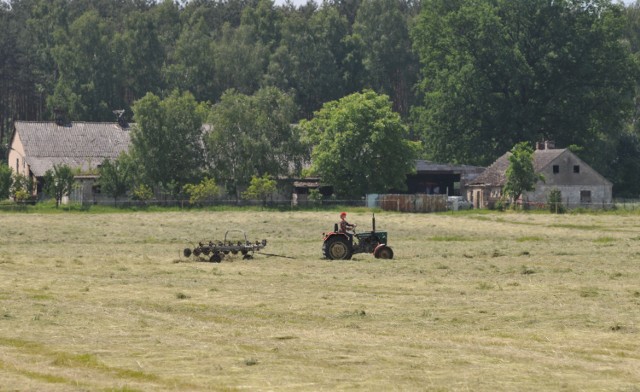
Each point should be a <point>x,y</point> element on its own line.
<point>72,122</point>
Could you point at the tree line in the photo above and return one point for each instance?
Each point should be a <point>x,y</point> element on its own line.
<point>468,79</point>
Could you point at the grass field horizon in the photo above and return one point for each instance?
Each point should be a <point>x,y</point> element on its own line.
<point>476,301</point>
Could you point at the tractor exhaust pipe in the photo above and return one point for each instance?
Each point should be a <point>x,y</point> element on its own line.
<point>373,222</point>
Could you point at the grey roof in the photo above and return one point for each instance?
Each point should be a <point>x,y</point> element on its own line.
<point>495,174</point>
<point>80,144</point>
<point>428,166</point>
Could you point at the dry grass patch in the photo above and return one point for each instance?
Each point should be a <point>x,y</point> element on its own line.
<point>476,302</point>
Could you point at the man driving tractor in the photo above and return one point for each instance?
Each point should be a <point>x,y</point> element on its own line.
<point>345,227</point>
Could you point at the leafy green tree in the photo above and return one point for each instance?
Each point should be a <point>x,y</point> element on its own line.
<point>496,72</point>
<point>347,48</point>
<point>260,188</point>
<point>264,22</point>
<point>141,55</point>
<point>625,166</point>
<point>58,182</point>
<point>382,28</point>
<point>6,180</point>
<point>205,190</point>
<point>87,87</point>
<point>359,145</point>
<point>190,67</point>
<point>115,177</point>
<point>166,19</point>
<point>253,135</point>
<point>166,141</point>
<point>304,63</point>
<point>27,70</point>
<point>521,175</point>
<point>238,60</point>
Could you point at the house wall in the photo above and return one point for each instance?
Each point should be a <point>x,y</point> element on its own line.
<point>483,196</point>
<point>16,158</point>
<point>572,177</point>
<point>566,175</point>
<point>571,194</point>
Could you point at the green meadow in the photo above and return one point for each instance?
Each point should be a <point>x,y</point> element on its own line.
<point>474,301</point>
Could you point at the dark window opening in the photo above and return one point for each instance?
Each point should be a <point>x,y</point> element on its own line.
<point>585,196</point>
<point>576,168</point>
<point>556,169</point>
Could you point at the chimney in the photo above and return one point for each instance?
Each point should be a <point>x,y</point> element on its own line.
<point>60,116</point>
<point>120,118</point>
<point>545,145</point>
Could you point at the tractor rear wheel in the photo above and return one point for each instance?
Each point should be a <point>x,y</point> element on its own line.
<point>337,248</point>
<point>383,252</point>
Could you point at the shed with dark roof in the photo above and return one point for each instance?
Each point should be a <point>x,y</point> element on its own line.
<point>561,169</point>
<point>441,178</point>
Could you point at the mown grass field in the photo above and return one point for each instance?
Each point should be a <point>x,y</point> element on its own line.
<point>472,302</point>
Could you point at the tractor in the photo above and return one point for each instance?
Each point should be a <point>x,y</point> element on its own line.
<point>341,246</point>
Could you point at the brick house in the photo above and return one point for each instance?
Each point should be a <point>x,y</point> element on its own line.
<point>578,183</point>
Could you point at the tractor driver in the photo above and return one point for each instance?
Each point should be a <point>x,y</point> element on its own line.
<point>345,226</point>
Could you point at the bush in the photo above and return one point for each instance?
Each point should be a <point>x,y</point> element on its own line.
<point>6,181</point>
<point>315,197</point>
<point>205,190</point>
<point>499,205</point>
<point>142,193</point>
<point>554,201</point>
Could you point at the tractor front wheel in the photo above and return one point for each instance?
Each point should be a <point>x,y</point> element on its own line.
<point>337,248</point>
<point>383,252</point>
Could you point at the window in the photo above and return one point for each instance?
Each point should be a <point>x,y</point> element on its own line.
<point>576,169</point>
<point>556,169</point>
<point>17,165</point>
<point>585,196</point>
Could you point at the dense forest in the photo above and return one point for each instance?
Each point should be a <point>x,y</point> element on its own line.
<point>469,78</point>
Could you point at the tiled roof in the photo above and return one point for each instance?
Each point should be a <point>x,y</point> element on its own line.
<point>495,174</point>
<point>428,166</point>
<point>79,144</point>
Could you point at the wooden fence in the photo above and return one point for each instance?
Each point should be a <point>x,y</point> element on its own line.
<point>413,203</point>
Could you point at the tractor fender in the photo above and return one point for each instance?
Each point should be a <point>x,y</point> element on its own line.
<point>382,251</point>
<point>331,234</point>
<point>378,247</point>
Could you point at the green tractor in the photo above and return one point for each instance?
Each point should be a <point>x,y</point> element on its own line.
<point>341,246</point>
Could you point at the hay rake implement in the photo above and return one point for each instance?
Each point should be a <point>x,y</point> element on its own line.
<point>214,251</point>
